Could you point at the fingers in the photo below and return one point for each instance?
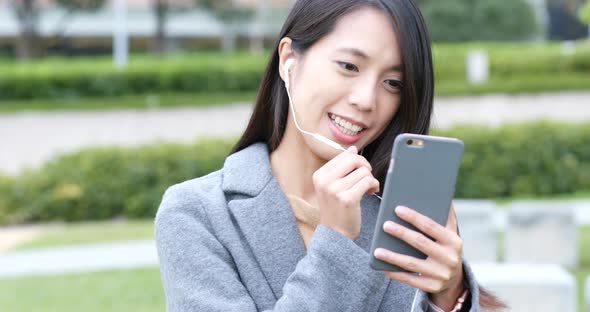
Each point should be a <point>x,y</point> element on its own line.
<point>413,264</point>
<point>427,284</point>
<point>334,161</point>
<point>365,185</point>
<point>347,164</point>
<point>422,243</point>
<point>343,164</point>
<point>429,227</point>
<point>353,178</point>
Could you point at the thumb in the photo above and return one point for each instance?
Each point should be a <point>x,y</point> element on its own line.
<point>452,220</point>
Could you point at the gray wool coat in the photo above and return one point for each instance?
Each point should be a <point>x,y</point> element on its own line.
<point>228,241</point>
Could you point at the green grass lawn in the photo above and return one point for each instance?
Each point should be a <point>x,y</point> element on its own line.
<point>125,102</point>
<point>140,289</point>
<point>113,291</point>
<point>92,232</point>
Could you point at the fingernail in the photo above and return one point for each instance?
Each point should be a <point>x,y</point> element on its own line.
<point>379,253</point>
<point>389,226</point>
<point>401,210</point>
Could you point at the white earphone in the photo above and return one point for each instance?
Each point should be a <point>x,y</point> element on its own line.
<point>288,64</point>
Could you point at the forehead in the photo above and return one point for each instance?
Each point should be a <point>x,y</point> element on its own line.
<point>368,30</point>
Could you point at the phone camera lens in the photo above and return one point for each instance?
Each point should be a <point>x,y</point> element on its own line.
<point>410,142</point>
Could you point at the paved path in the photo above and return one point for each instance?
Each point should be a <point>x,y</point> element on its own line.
<point>13,236</point>
<point>75,259</point>
<point>28,139</point>
<point>142,253</point>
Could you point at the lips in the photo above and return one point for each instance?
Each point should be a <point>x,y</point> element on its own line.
<point>344,129</point>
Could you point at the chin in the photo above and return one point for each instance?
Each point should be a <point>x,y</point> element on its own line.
<point>322,150</point>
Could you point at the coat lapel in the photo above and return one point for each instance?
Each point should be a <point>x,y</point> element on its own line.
<point>265,218</point>
<point>263,214</point>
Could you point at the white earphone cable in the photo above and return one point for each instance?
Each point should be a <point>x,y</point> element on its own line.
<point>315,135</point>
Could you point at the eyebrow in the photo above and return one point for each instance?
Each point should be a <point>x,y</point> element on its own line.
<point>361,54</point>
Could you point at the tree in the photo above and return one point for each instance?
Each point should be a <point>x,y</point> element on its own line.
<point>71,8</point>
<point>160,9</point>
<point>28,11</point>
<point>231,15</point>
<point>492,20</point>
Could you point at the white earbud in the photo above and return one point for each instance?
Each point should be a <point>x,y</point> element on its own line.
<point>288,64</point>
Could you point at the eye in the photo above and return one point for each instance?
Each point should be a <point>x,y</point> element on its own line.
<point>395,85</point>
<point>348,66</point>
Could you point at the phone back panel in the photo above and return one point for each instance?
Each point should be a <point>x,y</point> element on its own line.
<point>422,178</point>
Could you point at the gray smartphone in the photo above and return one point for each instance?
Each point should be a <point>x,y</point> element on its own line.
<point>421,175</point>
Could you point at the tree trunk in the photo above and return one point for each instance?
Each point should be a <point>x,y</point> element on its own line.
<point>27,45</point>
<point>160,10</point>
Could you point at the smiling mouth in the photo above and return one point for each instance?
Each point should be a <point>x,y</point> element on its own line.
<point>345,126</point>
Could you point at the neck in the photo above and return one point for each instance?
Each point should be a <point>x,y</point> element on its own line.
<point>293,165</point>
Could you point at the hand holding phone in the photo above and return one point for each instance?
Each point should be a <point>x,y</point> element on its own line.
<point>421,176</point>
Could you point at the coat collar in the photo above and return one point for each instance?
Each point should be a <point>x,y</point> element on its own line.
<point>264,215</point>
<point>248,171</point>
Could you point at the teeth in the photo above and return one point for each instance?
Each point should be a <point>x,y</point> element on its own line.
<point>345,126</point>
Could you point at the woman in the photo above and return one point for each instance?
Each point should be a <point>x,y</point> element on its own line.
<point>286,224</point>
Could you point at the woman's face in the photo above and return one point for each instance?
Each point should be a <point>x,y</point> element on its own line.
<point>346,87</point>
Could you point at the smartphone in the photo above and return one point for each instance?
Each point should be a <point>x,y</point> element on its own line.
<point>421,175</point>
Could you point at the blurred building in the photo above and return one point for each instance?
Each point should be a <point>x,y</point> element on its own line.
<point>186,26</point>
<point>189,27</point>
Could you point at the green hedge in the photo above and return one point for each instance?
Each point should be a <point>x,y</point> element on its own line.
<point>84,78</point>
<point>207,73</point>
<point>467,20</point>
<point>539,159</point>
<point>103,183</point>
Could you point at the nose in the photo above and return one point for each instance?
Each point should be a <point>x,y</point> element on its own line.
<point>363,94</point>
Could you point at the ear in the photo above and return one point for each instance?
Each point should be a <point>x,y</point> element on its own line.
<point>287,58</point>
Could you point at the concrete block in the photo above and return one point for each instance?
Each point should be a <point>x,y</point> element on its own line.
<point>478,229</point>
<point>529,287</point>
<point>539,232</point>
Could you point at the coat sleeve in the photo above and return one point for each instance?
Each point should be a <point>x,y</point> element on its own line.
<point>420,298</point>
<point>198,272</point>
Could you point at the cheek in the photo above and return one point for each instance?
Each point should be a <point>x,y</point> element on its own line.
<point>386,112</point>
<point>389,108</point>
<point>321,91</point>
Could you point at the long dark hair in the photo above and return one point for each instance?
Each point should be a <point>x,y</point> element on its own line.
<point>311,20</point>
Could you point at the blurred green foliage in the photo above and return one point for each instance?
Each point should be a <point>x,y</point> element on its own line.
<point>522,67</point>
<point>96,77</point>
<point>102,183</point>
<point>483,20</point>
<point>584,13</point>
<point>525,160</point>
<point>536,159</point>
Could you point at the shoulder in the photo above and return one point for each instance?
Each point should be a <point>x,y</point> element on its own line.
<point>203,199</point>
<point>191,192</point>
<point>184,202</point>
